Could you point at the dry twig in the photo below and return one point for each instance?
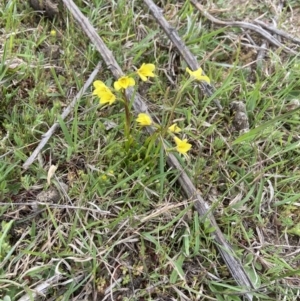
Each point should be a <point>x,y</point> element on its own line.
<point>277,31</point>
<point>245,25</point>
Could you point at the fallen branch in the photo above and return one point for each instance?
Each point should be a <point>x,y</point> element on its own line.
<point>245,25</point>
<point>65,113</point>
<point>277,31</point>
<point>201,206</point>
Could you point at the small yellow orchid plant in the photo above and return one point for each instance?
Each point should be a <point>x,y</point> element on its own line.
<point>146,71</point>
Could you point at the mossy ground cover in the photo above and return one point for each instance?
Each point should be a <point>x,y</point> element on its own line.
<point>124,228</point>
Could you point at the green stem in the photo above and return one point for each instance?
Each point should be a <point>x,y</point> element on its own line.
<point>127,122</point>
<point>178,96</point>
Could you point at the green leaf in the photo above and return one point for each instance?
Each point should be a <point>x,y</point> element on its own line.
<point>178,271</point>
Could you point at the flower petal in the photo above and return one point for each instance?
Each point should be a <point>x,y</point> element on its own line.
<point>146,70</point>
<point>174,128</point>
<point>131,81</point>
<point>205,79</point>
<point>143,77</point>
<point>197,74</point>
<point>98,84</point>
<point>124,82</point>
<point>144,119</point>
<point>189,71</point>
<point>182,146</point>
<point>117,86</point>
<point>108,97</point>
<point>101,90</point>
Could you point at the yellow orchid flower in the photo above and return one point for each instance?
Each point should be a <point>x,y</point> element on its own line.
<point>146,70</point>
<point>174,128</point>
<point>124,82</point>
<point>182,146</point>
<point>103,92</point>
<point>198,75</point>
<point>100,88</point>
<point>144,119</point>
<point>107,97</point>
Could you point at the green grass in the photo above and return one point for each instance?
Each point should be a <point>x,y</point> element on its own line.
<point>124,226</point>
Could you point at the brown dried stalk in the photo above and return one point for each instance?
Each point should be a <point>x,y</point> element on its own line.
<point>277,31</point>
<point>245,25</point>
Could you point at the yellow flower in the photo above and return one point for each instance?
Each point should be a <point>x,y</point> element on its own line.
<point>146,70</point>
<point>103,92</point>
<point>100,88</point>
<point>124,82</point>
<point>53,33</point>
<point>108,97</point>
<point>182,146</point>
<point>174,128</point>
<point>198,75</point>
<point>144,119</point>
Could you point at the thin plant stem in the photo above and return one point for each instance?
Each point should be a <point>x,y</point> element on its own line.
<point>127,122</point>
<point>178,96</point>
